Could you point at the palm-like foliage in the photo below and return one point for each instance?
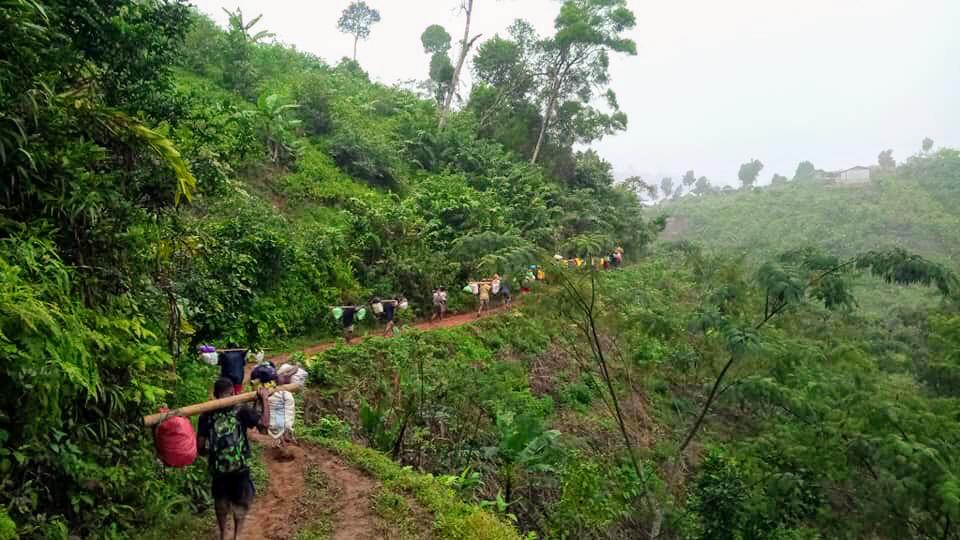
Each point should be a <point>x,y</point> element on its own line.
<point>277,127</point>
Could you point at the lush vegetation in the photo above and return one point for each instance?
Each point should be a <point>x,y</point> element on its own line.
<point>630,431</point>
<point>911,205</point>
<point>167,182</point>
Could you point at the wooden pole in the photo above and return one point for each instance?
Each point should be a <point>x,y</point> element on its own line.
<point>212,405</point>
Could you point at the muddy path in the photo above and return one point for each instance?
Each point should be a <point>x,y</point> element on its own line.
<point>341,498</point>
<point>344,500</point>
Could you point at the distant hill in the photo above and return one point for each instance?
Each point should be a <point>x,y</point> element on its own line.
<point>915,206</point>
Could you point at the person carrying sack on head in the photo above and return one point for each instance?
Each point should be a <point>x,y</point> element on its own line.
<point>222,436</point>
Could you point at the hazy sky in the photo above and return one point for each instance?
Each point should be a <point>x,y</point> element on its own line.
<point>714,83</point>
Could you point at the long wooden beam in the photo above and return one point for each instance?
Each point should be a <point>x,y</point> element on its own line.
<point>212,405</point>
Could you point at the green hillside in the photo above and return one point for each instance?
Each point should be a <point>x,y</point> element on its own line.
<point>166,183</point>
<point>915,206</point>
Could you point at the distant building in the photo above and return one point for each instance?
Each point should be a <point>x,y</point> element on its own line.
<point>853,176</point>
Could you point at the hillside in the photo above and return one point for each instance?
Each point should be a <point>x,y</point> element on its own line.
<point>915,207</point>
<point>169,183</point>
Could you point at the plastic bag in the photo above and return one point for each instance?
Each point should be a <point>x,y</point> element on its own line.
<point>175,441</point>
<point>495,286</point>
<point>467,289</point>
<point>403,305</point>
<point>377,308</point>
<point>259,357</point>
<point>475,288</point>
<point>361,314</point>
<point>337,313</point>
<point>210,358</point>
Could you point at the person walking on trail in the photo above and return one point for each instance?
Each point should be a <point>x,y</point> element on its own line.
<point>439,303</point>
<point>347,316</point>
<point>505,291</point>
<point>281,408</point>
<point>232,362</point>
<point>484,293</point>
<point>222,436</point>
<point>389,311</point>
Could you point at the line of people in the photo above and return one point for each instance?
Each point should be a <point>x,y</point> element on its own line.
<point>612,261</point>
<point>385,310</point>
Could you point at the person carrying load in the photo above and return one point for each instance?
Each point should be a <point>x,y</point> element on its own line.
<point>483,291</point>
<point>387,312</point>
<point>348,315</point>
<point>232,362</point>
<point>439,303</point>
<point>222,436</point>
<point>281,408</point>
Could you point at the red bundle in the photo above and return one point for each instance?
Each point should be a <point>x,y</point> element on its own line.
<point>176,442</point>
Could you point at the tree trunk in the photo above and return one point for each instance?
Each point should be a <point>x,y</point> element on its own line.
<point>465,45</point>
<point>355,39</point>
<point>543,126</point>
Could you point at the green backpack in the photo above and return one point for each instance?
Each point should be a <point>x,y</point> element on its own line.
<point>227,443</point>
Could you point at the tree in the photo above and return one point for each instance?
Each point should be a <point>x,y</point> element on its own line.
<point>689,178</point>
<point>356,20</point>
<point>666,187</point>
<point>238,73</point>
<point>805,171</point>
<point>927,144</point>
<point>505,81</point>
<point>778,179</point>
<point>276,126</point>
<point>465,44</point>
<point>702,186</point>
<point>641,188</point>
<point>436,41</point>
<point>885,159</point>
<point>575,63</point>
<point>749,172</point>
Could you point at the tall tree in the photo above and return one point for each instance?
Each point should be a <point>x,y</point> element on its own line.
<point>575,63</point>
<point>465,44</point>
<point>641,188</point>
<point>505,82</point>
<point>778,179</point>
<point>749,172</point>
<point>805,171</point>
<point>689,178</point>
<point>702,186</point>
<point>666,187</point>
<point>436,42</point>
<point>885,159</point>
<point>356,20</point>
<point>927,144</point>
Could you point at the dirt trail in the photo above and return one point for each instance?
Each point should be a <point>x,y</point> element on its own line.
<point>450,321</point>
<point>285,505</point>
<point>282,508</point>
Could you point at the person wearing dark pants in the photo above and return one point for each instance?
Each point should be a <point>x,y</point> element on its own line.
<point>222,436</point>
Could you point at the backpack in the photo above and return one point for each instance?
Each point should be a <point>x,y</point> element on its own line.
<point>227,443</point>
